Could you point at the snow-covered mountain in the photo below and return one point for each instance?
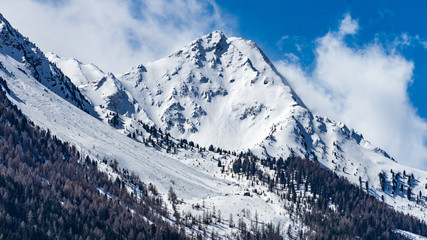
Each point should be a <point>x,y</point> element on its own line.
<point>104,91</point>
<point>225,92</point>
<point>193,175</point>
<point>18,47</point>
<point>215,91</point>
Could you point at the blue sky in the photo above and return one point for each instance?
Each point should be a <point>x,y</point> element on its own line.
<point>383,90</point>
<point>360,62</point>
<point>304,21</point>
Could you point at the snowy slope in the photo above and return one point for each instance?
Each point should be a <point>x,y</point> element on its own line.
<point>212,91</point>
<point>410,235</point>
<point>217,90</point>
<point>224,91</point>
<point>13,44</point>
<point>79,73</point>
<point>194,176</point>
<point>103,90</point>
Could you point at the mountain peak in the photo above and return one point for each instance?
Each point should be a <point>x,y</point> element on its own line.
<point>215,34</point>
<point>213,37</point>
<point>216,91</point>
<point>19,48</point>
<point>215,40</point>
<point>213,81</point>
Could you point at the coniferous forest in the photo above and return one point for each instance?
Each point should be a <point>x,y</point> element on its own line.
<point>329,205</point>
<point>48,190</point>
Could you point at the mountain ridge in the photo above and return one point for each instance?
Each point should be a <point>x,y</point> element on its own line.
<point>21,49</point>
<point>215,91</point>
<point>175,105</point>
<point>295,132</point>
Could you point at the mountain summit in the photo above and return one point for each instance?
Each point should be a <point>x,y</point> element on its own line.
<point>217,125</point>
<point>224,92</point>
<point>217,90</point>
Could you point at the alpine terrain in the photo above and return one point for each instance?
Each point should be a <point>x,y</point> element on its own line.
<point>211,140</point>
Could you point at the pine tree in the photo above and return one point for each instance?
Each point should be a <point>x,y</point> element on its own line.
<point>230,221</point>
<point>382,178</point>
<point>211,148</point>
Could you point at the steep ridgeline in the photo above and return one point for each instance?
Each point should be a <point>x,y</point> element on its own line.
<point>225,92</point>
<point>202,186</point>
<point>222,91</point>
<point>103,90</point>
<point>215,91</point>
<point>14,45</point>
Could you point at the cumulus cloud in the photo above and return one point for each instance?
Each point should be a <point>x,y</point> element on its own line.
<point>348,26</point>
<point>366,88</point>
<point>114,34</point>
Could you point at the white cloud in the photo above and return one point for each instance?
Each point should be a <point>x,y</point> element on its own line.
<point>421,42</point>
<point>114,34</point>
<point>365,87</point>
<point>279,43</point>
<point>348,26</point>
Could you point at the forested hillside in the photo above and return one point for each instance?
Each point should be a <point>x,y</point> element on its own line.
<point>329,205</point>
<point>48,191</point>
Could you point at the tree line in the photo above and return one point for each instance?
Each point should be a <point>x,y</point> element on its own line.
<point>48,190</point>
<point>329,205</point>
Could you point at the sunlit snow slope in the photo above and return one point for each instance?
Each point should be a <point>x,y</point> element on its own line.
<point>194,176</point>
<point>225,92</point>
<point>18,47</point>
<point>216,90</point>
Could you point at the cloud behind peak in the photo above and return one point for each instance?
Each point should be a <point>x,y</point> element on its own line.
<point>114,34</point>
<point>365,87</point>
